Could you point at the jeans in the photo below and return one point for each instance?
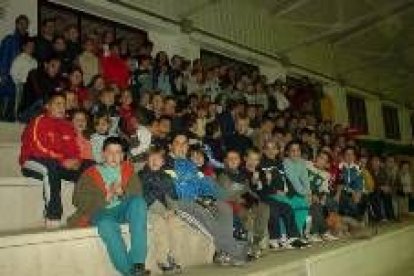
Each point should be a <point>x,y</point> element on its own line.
<point>281,212</point>
<point>132,210</point>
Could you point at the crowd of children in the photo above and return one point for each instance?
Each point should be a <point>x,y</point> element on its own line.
<point>245,161</point>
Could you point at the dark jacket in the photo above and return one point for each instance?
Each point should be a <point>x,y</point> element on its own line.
<point>237,142</point>
<point>157,185</point>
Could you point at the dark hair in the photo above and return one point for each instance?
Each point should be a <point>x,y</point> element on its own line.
<point>325,152</point>
<point>27,40</point>
<point>292,143</point>
<point>174,135</point>
<point>347,148</point>
<point>87,131</point>
<point>252,150</point>
<point>113,140</point>
<point>54,96</point>
<point>212,128</point>
<point>21,17</point>
<point>48,20</point>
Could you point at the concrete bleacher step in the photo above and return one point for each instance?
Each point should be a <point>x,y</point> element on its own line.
<point>22,205</point>
<point>10,134</point>
<point>26,249</point>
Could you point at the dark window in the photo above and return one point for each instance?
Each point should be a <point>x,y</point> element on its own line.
<point>357,113</point>
<point>90,25</point>
<point>412,125</point>
<point>210,59</point>
<point>391,122</point>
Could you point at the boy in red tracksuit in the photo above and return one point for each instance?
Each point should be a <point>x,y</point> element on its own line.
<point>49,152</point>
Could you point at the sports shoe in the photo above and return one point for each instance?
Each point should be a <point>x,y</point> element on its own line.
<point>274,244</point>
<point>314,238</point>
<point>298,243</point>
<point>139,270</point>
<point>329,237</point>
<point>52,224</point>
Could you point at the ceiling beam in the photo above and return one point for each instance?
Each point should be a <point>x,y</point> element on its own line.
<point>401,7</point>
<point>355,25</point>
<point>197,8</point>
<point>291,6</point>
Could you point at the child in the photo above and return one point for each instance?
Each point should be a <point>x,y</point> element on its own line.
<point>198,156</point>
<point>117,201</point>
<point>298,191</point>
<point>239,140</point>
<point>405,187</point>
<point>101,127</point>
<point>350,186</point>
<point>127,113</point>
<point>106,104</point>
<point>319,185</point>
<point>50,153</point>
<point>142,79</point>
<point>80,121</point>
<point>160,194</point>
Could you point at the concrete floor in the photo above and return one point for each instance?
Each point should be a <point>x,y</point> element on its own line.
<point>282,258</point>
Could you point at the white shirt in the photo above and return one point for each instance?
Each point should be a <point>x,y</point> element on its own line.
<point>144,137</point>
<point>282,101</point>
<point>21,67</point>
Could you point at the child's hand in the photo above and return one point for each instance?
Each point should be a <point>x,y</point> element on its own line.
<point>118,189</point>
<point>109,195</point>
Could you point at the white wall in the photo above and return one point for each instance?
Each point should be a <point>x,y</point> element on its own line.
<point>14,8</point>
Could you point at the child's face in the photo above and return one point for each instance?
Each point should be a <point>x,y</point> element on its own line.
<point>322,161</point>
<point>349,156</point>
<point>242,126</point>
<point>375,163</point>
<point>113,155</point>
<point>102,126</point>
<point>57,107</point>
<point>294,152</point>
<point>80,122</point>
<point>233,160</point>
<point>198,158</point>
<point>165,127</point>
<point>126,98</point>
<point>405,167</point>
<point>157,102</point>
<point>252,160</point>
<point>108,98</point>
<point>76,78</point>
<point>271,150</point>
<point>99,84</point>
<point>155,161</point>
<point>71,101</point>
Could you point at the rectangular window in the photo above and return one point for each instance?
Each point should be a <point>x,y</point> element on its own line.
<point>90,25</point>
<point>391,122</point>
<point>357,113</point>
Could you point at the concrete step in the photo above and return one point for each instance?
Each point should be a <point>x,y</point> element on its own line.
<point>81,252</point>
<point>10,132</point>
<point>26,249</point>
<point>22,205</point>
<point>9,156</point>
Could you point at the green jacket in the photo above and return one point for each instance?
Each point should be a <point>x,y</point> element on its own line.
<point>90,193</point>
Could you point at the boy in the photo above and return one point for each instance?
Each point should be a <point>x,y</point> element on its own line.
<point>160,195</point>
<point>108,195</point>
<point>50,153</point>
<point>351,186</point>
<point>246,207</point>
<point>239,141</point>
<point>107,105</point>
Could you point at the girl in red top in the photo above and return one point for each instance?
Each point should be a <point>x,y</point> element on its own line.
<point>127,113</point>
<point>76,85</point>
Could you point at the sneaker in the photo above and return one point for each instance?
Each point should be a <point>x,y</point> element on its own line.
<point>329,237</point>
<point>314,238</point>
<point>139,270</point>
<point>298,243</point>
<point>274,244</point>
<point>51,224</point>
<point>221,258</point>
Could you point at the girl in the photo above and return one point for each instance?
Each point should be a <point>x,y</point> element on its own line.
<point>101,127</point>
<point>80,120</point>
<point>76,85</point>
<point>127,113</point>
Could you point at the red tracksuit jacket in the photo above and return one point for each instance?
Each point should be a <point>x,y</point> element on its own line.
<point>48,137</point>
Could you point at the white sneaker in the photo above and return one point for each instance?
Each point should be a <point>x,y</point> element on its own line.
<point>314,238</point>
<point>274,244</point>
<point>51,224</point>
<point>329,237</point>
